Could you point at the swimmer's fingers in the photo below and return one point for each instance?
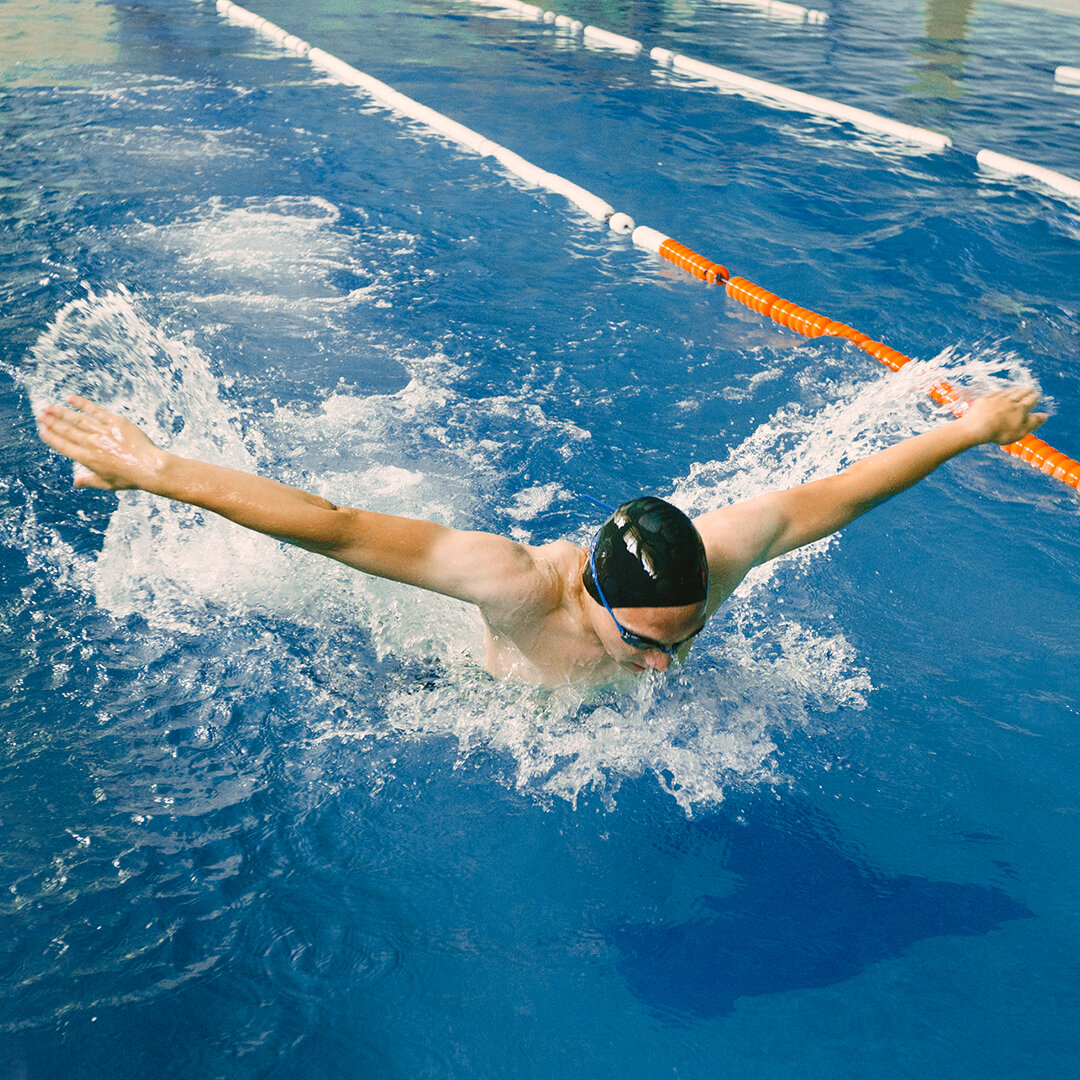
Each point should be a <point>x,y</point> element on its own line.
<point>56,431</point>
<point>1006,415</point>
<point>1026,396</point>
<point>66,421</point>
<point>59,427</point>
<point>85,405</point>
<point>115,451</point>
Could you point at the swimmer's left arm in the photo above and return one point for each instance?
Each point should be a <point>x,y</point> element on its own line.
<point>746,534</point>
<point>490,571</point>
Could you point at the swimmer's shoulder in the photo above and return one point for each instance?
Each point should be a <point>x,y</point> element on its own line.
<point>531,584</point>
<point>560,560</point>
<point>555,567</point>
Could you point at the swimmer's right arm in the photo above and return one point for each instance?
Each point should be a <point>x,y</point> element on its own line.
<point>746,534</point>
<point>476,567</point>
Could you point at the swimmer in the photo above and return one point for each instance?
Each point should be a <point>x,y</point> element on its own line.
<point>633,602</point>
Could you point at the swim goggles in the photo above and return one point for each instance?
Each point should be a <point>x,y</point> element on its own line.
<point>635,641</point>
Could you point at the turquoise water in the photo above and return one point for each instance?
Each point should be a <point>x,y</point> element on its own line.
<point>264,817</point>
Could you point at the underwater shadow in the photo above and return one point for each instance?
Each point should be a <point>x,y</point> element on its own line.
<point>803,916</point>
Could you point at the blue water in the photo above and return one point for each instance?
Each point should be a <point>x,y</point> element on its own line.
<point>263,817</point>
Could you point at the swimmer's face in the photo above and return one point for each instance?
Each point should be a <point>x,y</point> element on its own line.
<point>666,627</point>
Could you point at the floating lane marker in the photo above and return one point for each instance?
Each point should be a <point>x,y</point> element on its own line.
<point>592,204</point>
<point>526,11</point>
<point>773,93</point>
<point>1067,76</point>
<point>773,9</point>
<point>776,9</point>
<point>685,259</point>
<point>593,35</point>
<point>1034,451</point>
<point>1011,166</point>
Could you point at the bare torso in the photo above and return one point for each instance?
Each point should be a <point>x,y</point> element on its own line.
<point>546,637</point>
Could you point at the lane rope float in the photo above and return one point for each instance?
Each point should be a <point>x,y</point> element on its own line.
<point>1002,163</point>
<point>1029,449</point>
<point>772,94</point>
<point>810,103</point>
<point>775,95</point>
<point>771,9</point>
<point>593,35</point>
<point>784,12</point>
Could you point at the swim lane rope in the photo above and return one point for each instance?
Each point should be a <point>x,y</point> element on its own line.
<point>1032,450</point>
<point>775,95</point>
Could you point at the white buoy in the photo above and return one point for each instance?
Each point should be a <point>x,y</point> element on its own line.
<point>1067,76</point>
<point>593,35</point>
<point>516,164</point>
<point>592,204</point>
<point>811,103</point>
<point>438,122</point>
<point>990,159</point>
<point>649,239</point>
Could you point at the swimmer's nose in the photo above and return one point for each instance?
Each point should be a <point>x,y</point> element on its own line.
<point>658,661</point>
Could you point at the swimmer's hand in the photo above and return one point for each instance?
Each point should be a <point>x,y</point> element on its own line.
<point>745,534</point>
<point>117,454</point>
<point>499,575</point>
<point>1003,416</point>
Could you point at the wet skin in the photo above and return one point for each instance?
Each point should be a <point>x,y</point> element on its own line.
<point>541,625</point>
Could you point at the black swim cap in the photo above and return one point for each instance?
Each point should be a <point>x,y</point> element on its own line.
<point>648,554</point>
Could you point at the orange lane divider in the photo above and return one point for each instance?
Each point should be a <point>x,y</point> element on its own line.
<point>692,262</point>
<point>1034,451</point>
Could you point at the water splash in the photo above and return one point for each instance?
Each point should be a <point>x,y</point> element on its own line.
<point>756,676</point>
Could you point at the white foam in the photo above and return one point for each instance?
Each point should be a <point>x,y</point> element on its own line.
<point>531,502</point>
<point>286,254</point>
<point>286,245</point>
<point>430,450</point>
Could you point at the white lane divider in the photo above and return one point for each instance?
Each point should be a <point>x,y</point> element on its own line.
<point>769,93</point>
<point>784,12</point>
<point>593,35</point>
<point>773,9</point>
<point>592,204</point>
<point>1002,163</point>
<point>773,92</point>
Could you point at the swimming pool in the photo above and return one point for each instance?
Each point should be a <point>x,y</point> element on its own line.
<point>265,818</point>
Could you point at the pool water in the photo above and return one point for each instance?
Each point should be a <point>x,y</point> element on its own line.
<point>265,817</point>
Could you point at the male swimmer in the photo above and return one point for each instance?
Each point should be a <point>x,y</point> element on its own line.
<point>556,613</point>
